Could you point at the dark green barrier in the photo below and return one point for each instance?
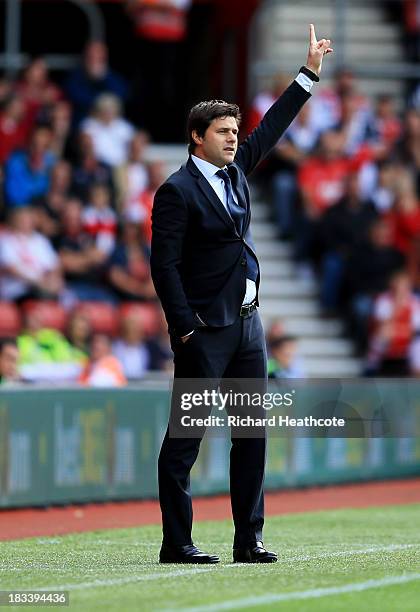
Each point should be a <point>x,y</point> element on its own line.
<point>60,446</point>
<point>64,446</point>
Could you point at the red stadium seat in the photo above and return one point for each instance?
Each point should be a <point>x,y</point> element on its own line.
<point>102,317</point>
<point>50,314</point>
<point>10,321</point>
<point>148,315</point>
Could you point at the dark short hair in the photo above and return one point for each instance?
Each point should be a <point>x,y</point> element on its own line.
<point>203,113</point>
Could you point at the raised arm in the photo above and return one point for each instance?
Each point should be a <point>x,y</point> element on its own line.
<point>278,118</point>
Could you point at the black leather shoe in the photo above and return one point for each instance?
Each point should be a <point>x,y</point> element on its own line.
<point>185,554</point>
<point>254,553</point>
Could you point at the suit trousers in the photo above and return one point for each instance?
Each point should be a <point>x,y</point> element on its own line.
<point>236,351</point>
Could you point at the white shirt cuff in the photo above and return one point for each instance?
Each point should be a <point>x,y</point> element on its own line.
<point>304,81</point>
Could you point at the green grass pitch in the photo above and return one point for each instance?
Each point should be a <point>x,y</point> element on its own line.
<point>342,560</point>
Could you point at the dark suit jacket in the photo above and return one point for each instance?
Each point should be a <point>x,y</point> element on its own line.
<point>198,259</point>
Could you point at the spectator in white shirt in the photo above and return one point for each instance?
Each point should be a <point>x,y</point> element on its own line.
<point>131,350</point>
<point>28,263</point>
<point>111,134</point>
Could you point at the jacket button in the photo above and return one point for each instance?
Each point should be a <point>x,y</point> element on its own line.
<point>243,261</point>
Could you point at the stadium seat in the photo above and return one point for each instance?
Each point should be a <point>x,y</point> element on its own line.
<point>102,317</point>
<point>51,314</point>
<point>10,321</point>
<point>147,313</point>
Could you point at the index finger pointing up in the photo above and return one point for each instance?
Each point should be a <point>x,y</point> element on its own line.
<point>312,36</point>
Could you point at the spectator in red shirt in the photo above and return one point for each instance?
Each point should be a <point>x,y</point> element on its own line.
<point>395,321</point>
<point>405,214</point>
<point>99,219</point>
<point>322,178</point>
<point>36,89</point>
<point>14,126</point>
<point>321,181</point>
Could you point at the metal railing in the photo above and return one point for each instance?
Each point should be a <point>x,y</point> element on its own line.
<point>15,58</point>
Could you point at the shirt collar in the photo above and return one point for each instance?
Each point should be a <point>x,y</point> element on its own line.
<point>206,168</point>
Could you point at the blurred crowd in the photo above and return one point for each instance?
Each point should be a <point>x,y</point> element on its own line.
<point>75,226</point>
<point>345,190</point>
<point>77,304</point>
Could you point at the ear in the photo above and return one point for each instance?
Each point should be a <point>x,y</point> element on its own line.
<point>197,139</point>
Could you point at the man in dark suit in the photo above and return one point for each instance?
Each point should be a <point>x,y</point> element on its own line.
<point>206,275</point>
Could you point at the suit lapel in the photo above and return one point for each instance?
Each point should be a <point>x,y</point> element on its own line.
<point>210,194</point>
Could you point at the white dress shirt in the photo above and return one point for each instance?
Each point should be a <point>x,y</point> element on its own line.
<point>210,173</point>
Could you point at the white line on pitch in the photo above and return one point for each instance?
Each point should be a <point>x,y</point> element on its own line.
<point>346,553</point>
<point>249,602</point>
<point>199,570</point>
<point>126,579</point>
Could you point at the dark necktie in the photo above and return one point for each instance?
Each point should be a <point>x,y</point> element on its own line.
<point>238,215</point>
<point>236,212</point>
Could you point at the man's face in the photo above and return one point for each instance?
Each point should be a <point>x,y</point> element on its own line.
<point>9,362</point>
<point>219,143</point>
